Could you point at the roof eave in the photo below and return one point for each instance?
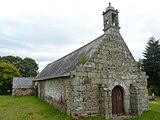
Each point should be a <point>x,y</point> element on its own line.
<point>53,77</point>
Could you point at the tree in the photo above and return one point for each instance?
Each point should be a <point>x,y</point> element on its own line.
<point>30,68</point>
<point>151,63</point>
<point>16,61</point>
<point>27,66</point>
<point>140,64</point>
<point>7,72</point>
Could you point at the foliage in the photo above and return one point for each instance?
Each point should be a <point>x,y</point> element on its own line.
<point>150,90</point>
<point>140,64</point>
<point>83,59</point>
<point>153,89</point>
<point>27,66</point>
<point>30,67</point>
<point>7,72</point>
<point>151,63</point>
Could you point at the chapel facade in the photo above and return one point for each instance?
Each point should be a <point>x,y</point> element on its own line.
<point>100,78</point>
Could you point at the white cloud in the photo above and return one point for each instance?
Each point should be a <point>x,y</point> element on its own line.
<point>46,30</point>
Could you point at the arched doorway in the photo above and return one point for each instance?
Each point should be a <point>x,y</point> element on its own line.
<point>117,101</point>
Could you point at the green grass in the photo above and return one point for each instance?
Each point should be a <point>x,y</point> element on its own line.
<point>31,108</point>
<point>28,108</point>
<point>152,114</point>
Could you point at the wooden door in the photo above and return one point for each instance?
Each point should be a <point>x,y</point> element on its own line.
<point>117,101</point>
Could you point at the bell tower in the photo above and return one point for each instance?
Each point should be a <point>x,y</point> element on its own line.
<point>110,18</point>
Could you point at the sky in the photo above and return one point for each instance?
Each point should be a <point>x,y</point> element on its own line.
<point>46,30</point>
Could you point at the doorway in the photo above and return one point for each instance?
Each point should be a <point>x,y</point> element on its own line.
<point>117,101</point>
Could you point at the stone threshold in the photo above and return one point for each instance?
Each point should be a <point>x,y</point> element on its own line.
<point>121,117</point>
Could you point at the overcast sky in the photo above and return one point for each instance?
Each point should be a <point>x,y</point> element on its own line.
<point>46,30</point>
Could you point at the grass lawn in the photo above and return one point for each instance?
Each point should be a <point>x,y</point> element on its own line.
<point>27,108</point>
<point>152,114</point>
<point>31,108</point>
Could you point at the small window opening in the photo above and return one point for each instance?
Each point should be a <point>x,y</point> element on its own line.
<point>114,19</point>
<point>107,22</point>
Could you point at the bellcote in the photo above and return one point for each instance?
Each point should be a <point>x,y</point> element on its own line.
<point>110,18</point>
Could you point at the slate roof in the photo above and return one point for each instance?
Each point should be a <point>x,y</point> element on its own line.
<point>23,82</point>
<point>63,66</point>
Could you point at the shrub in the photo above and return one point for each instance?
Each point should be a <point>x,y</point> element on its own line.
<point>153,89</point>
<point>7,72</point>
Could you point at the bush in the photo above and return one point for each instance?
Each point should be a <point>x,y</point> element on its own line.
<point>153,89</point>
<point>7,72</point>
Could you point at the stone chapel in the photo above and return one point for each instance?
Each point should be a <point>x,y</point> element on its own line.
<point>100,78</point>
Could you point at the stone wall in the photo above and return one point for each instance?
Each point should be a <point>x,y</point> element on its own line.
<point>88,91</point>
<point>55,92</point>
<point>86,97</point>
<point>111,65</point>
<point>22,91</point>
